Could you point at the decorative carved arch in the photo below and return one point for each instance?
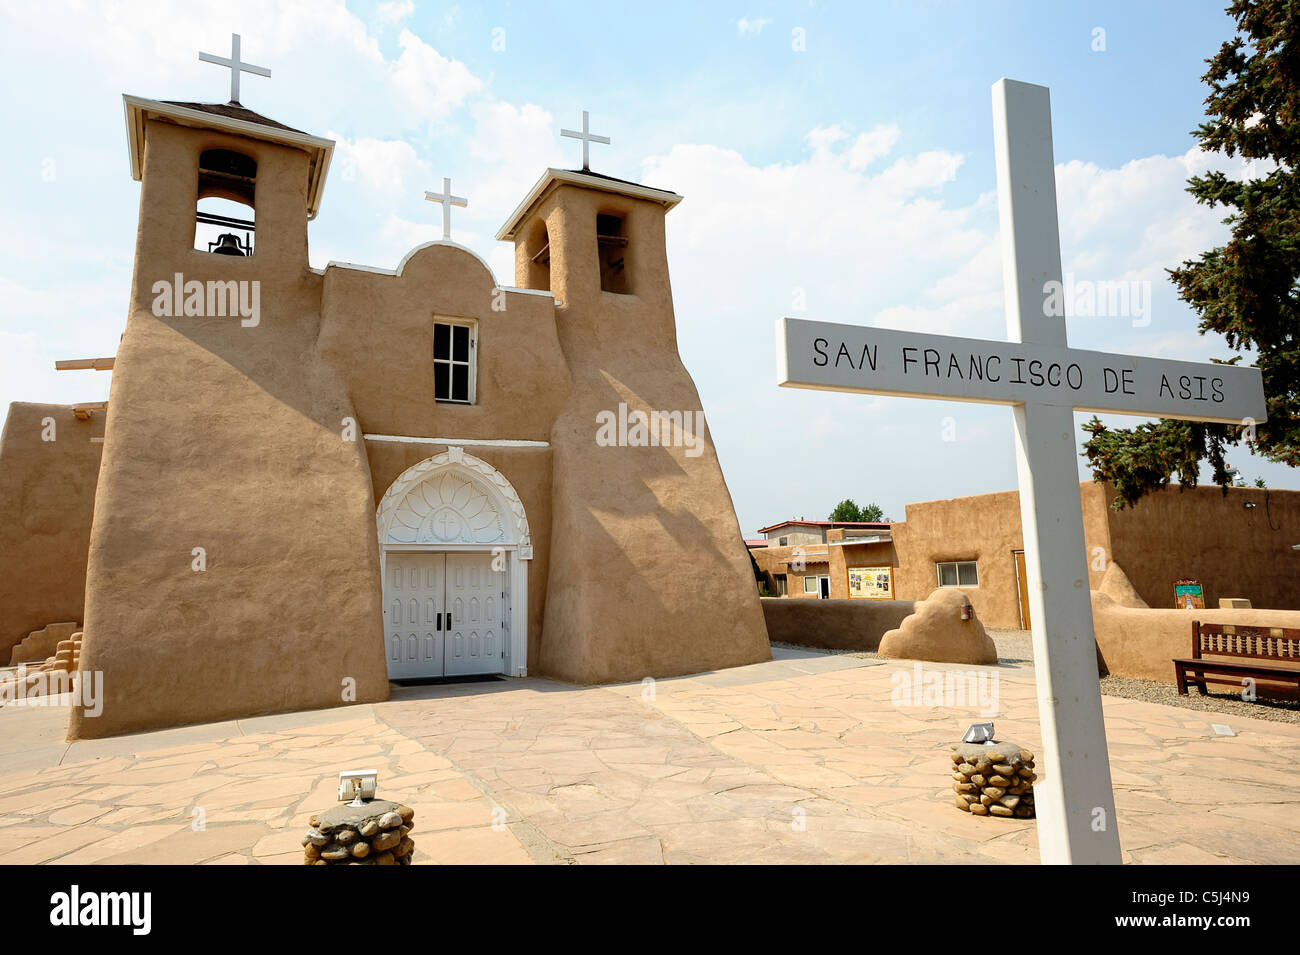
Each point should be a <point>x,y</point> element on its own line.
<point>453,498</point>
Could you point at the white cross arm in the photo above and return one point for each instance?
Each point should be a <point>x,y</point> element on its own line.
<point>230,64</point>
<point>852,358</point>
<point>586,137</point>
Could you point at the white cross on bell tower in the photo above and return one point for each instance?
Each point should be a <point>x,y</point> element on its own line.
<point>235,65</point>
<point>587,138</point>
<point>447,200</point>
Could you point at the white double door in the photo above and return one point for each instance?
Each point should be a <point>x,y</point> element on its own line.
<point>443,615</point>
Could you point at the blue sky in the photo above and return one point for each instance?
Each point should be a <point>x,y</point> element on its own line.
<point>854,176</point>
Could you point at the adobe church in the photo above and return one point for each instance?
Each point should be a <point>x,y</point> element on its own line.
<point>375,474</point>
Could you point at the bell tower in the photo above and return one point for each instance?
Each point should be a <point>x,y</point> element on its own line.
<point>183,153</point>
<point>222,444</point>
<point>648,572</point>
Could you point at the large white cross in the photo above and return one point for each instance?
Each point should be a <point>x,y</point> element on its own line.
<point>1045,381</point>
<point>235,65</point>
<point>448,200</point>
<point>587,138</point>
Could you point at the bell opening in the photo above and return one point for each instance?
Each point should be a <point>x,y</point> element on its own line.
<point>224,227</point>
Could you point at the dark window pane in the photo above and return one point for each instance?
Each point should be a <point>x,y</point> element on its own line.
<point>440,341</point>
<point>440,381</point>
<point>460,339</point>
<point>460,382</point>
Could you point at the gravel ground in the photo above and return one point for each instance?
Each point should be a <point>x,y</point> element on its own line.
<point>1015,648</point>
<point>1216,701</point>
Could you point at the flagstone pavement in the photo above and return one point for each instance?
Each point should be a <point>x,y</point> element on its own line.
<point>801,760</point>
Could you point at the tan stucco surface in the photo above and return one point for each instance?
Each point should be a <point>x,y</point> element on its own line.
<point>936,632</point>
<point>985,529</point>
<point>1205,534</point>
<point>227,437</point>
<point>648,571</point>
<point>1197,533</point>
<point>47,495</point>
<point>1142,643</point>
<point>833,624</point>
<point>271,445</point>
<point>1116,585</point>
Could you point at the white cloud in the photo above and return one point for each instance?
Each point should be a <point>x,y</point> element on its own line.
<point>389,167</point>
<point>747,27</point>
<point>509,148</point>
<point>430,83</point>
<point>394,11</point>
<point>891,248</point>
<point>870,146</point>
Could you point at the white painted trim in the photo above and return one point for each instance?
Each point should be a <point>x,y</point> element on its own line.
<point>465,442</point>
<point>452,321</point>
<point>530,291</point>
<point>401,266</point>
<point>518,548</point>
<point>556,177</point>
<point>138,108</point>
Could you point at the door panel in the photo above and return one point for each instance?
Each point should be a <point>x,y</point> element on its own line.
<point>474,640</point>
<point>413,632</point>
<point>1022,584</point>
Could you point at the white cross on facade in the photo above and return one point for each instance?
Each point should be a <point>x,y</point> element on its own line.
<point>1045,381</point>
<point>448,200</point>
<point>235,65</point>
<point>587,138</point>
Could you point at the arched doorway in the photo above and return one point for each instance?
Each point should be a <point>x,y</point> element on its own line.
<point>454,550</point>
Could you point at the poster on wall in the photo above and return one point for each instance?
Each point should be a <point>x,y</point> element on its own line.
<point>871,583</point>
<point>1188,595</point>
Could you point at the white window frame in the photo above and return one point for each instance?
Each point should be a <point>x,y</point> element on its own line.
<point>817,585</point>
<point>956,566</point>
<point>450,361</point>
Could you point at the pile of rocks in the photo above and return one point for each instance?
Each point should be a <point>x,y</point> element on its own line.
<point>994,779</point>
<point>377,833</point>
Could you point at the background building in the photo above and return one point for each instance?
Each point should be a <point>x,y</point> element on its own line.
<point>1238,543</point>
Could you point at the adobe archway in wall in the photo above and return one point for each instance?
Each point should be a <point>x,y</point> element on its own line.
<point>455,503</point>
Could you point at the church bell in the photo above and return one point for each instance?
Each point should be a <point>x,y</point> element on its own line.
<point>228,244</point>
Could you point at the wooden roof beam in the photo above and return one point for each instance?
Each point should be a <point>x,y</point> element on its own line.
<point>78,364</point>
<point>83,409</point>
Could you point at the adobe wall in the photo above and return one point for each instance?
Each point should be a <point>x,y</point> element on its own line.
<point>984,528</point>
<point>843,557</point>
<point>648,572</point>
<point>522,380</point>
<point>773,560</point>
<point>1202,534</point>
<point>833,624</point>
<point>228,437</point>
<point>1141,643</point>
<point>47,497</point>
<point>528,470</point>
<point>387,366</point>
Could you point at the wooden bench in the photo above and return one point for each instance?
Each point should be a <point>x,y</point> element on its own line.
<point>1250,646</point>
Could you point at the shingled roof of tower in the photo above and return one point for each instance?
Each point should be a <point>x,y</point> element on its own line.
<point>625,182</point>
<point>234,111</point>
